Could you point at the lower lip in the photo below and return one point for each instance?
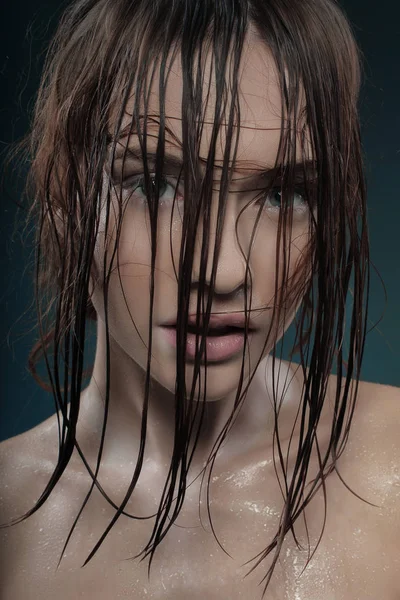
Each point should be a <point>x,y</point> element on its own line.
<point>218,347</point>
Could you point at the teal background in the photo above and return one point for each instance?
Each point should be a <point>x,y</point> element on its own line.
<point>26,27</point>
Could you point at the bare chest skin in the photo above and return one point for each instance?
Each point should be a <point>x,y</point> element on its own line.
<point>353,561</point>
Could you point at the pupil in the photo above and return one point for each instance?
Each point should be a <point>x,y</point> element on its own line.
<point>162,186</point>
<point>276,197</point>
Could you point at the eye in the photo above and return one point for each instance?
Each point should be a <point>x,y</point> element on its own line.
<point>274,200</point>
<point>167,188</point>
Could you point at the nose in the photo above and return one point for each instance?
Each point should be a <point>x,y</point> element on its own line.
<point>231,265</point>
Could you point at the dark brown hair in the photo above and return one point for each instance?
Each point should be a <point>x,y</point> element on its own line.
<point>102,51</point>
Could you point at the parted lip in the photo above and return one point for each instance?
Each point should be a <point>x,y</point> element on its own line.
<point>219,321</point>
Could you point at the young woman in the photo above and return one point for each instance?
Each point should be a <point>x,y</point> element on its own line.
<point>198,186</point>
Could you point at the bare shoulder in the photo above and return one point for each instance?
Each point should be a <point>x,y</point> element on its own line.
<point>377,414</point>
<point>26,464</point>
<point>374,436</point>
<point>370,465</point>
<point>26,461</point>
<point>363,496</point>
<point>370,461</point>
<point>375,442</point>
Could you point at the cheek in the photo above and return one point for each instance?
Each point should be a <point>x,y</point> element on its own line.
<point>298,253</point>
<point>300,271</point>
<point>130,278</point>
<point>128,268</point>
<point>293,255</point>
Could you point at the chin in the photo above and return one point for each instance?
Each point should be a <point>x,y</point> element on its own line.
<point>222,379</point>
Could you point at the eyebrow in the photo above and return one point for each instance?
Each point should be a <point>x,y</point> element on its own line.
<point>173,165</point>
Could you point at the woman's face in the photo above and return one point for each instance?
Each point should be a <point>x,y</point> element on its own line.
<point>129,290</point>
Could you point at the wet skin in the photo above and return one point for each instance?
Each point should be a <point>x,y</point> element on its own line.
<point>358,555</point>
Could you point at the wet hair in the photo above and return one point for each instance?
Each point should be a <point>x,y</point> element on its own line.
<point>105,53</point>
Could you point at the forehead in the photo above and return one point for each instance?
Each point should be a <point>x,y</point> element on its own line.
<point>259,101</point>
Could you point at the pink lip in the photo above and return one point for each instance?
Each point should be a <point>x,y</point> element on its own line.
<point>218,347</point>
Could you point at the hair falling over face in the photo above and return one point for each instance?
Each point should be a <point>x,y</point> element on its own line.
<point>94,101</point>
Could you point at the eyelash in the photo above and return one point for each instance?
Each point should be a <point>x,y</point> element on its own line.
<point>134,183</point>
<point>138,181</point>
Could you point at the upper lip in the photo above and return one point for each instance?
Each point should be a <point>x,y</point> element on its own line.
<point>220,320</point>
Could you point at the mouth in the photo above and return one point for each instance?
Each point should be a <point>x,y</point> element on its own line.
<point>229,323</point>
<point>221,343</point>
<point>216,331</point>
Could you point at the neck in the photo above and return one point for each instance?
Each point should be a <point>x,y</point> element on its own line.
<point>126,400</point>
